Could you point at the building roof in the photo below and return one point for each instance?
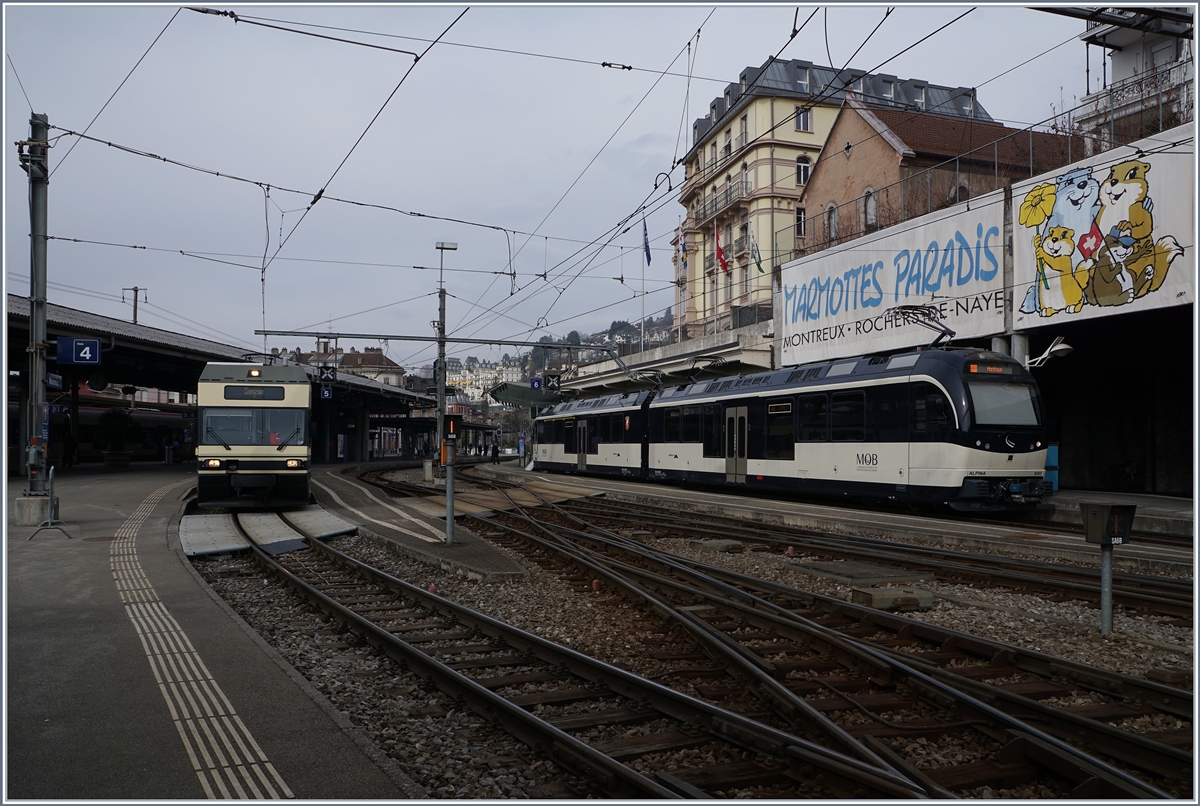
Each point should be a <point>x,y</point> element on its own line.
<point>353,360</point>
<point>815,83</point>
<point>85,322</point>
<point>935,136</point>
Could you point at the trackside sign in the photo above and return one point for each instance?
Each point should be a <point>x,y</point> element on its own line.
<point>842,301</point>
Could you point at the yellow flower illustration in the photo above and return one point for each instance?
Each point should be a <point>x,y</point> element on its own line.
<point>1037,205</point>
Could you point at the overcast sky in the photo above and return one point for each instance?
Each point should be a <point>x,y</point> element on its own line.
<point>559,148</point>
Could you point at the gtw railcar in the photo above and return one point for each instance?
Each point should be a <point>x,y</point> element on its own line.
<point>252,445</point>
<point>957,427</point>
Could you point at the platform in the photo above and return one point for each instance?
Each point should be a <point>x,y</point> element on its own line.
<point>965,532</point>
<point>418,530</point>
<point>100,629</point>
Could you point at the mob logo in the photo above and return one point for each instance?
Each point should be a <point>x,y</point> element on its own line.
<point>867,459</point>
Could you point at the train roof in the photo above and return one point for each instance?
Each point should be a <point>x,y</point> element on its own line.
<point>240,373</point>
<point>839,371</point>
<point>627,400</point>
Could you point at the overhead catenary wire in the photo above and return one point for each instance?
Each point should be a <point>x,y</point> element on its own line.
<point>19,82</point>
<point>575,60</point>
<point>118,89</point>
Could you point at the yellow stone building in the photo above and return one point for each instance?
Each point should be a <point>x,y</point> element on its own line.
<point>751,156</point>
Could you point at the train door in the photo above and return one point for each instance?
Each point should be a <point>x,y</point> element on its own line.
<point>581,443</point>
<point>735,444</point>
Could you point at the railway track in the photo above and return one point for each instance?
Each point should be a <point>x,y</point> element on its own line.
<point>1171,597</point>
<point>506,675</point>
<point>923,657</point>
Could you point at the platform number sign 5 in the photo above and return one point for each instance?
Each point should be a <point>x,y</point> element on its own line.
<point>78,351</point>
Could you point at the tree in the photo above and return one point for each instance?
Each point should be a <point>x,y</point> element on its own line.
<point>617,326</point>
<point>573,337</point>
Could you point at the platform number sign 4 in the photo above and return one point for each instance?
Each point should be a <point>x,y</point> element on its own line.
<point>78,351</point>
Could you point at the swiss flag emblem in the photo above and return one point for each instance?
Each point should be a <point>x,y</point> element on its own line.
<point>1089,243</point>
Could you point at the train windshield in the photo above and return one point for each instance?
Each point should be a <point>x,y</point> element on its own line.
<point>1004,404</point>
<point>251,426</point>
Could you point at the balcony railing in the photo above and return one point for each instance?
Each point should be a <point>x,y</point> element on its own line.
<point>723,198</point>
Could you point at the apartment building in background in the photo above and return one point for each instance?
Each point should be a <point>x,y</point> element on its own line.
<point>751,158</point>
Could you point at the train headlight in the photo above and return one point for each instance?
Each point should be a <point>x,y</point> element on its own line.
<point>212,463</point>
<point>292,464</point>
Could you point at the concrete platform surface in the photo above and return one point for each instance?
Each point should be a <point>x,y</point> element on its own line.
<point>416,527</point>
<point>128,679</point>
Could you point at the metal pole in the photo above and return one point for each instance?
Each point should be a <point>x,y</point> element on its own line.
<point>450,456</point>
<point>1106,614</point>
<point>36,166</point>
<point>440,371</point>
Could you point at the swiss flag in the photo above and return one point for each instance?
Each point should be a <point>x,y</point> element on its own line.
<point>720,254</point>
<point>1089,243</point>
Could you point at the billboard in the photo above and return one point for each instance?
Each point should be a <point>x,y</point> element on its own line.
<point>843,301</point>
<point>1107,235</point>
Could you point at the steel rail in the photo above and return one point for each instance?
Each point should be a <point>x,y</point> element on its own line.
<point>1170,597</point>
<point>1105,776</point>
<point>616,778</point>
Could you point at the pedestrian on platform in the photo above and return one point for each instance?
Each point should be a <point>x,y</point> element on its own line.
<point>495,453</point>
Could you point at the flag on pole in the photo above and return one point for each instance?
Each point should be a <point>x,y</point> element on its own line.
<point>720,254</point>
<point>754,254</point>
<point>683,247</point>
<point>646,241</point>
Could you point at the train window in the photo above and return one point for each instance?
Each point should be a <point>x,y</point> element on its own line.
<point>557,435</point>
<point>849,416</point>
<point>1004,403</point>
<point>671,430</point>
<point>253,426</point>
<point>780,436</point>
<point>593,433</point>
<point>540,431</point>
<point>813,416</point>
<point>887,413</point>
<point>690,424</point>
<point>931,410</point>
<point>568,439</point>
<point>712,427</point>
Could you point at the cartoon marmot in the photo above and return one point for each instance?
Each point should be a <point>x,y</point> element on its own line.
<point>1110,282</point>
<point>1059,284</point>
<point>1126,212</point>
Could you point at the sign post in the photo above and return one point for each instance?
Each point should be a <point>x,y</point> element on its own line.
<point>450,443</point>
<point>1109,525</point>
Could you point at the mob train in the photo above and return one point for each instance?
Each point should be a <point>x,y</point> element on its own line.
<point>252,441</point>
<point>956,427</point>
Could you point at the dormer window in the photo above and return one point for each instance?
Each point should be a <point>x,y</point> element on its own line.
<point>889,91</point>
<point>857,84</point>
<point>969,105</point>
<point>802,79</point>
<point>919,98</point>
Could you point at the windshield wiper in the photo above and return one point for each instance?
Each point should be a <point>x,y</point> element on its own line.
<point>283,444</point>
<point>218,437</point>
